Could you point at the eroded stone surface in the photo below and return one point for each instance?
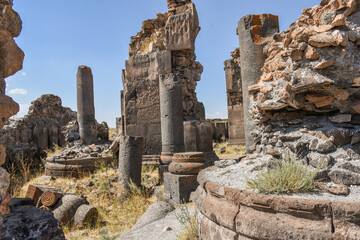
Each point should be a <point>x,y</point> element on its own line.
<point>308,88</point>
<point>234,99</point>
<point>11,60</point>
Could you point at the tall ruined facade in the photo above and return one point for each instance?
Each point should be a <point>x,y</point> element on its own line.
<point>234,99</point>
<point>164,46</point>
<point>11,59</point>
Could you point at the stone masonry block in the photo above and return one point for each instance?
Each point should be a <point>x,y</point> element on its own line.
<point>179,187</point>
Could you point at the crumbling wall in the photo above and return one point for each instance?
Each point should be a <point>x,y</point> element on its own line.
<point>164,45</point>
<point>234,99</point>
<point>307,99</point>
<point>11,59</point>
<point>47,124</point>
<point>40,129</point>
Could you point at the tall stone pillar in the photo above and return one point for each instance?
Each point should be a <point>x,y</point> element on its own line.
<point>130,162</point>
<point>171,110</point>
<point>252,31</point>
<point>85,104</point>
<point>171,115</point>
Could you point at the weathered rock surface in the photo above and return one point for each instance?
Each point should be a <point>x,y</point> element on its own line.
<point>40,129</point>
<point>160,49</point>
<point>155,229</point>
<point>28,222</point>
<point>47,124</point>
<point>156,211</point>
<point>11,60</point>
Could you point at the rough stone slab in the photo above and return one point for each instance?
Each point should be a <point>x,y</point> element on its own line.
<point>154,230</point>
<point>156,211</point>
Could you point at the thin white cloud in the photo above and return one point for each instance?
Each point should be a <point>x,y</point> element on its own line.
<point>23,73</point>
<point>20,91</point>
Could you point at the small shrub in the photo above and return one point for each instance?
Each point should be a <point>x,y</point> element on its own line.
<point>287,176</point>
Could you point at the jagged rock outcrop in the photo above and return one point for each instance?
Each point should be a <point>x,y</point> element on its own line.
<point>40,129</point>
<point>307,99</point>
<point>164,45</point>
<point>11,59</point>
<point>47,124</point>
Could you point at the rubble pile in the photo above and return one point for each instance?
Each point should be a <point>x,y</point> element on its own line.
<point>307,99</point>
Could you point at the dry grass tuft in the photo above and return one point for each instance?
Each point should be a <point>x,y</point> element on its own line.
<point>100,190</point>
<point>288,176</point>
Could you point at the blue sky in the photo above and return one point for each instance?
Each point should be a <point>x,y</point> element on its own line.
<point>58,36</point>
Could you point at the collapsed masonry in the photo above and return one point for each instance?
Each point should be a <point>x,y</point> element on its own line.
<point>234,99</point>
<point>46,125</point>
<point>306,95</point>
<point>164,46</point>
<point>40,129</point>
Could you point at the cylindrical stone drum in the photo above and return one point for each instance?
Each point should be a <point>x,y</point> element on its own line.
<point>166,158</point>
<point>187,163</point>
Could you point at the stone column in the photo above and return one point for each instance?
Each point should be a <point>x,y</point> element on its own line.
<point>85,104</point>
<point>252,31</point>
<point>171,111</point>
<point>198,138</point>
<point>180,181</point>
<point>171,114</point>
<point>130,161</point>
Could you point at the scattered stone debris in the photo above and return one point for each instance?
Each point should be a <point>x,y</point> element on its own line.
<point>312,110</point>
<point>78,159</point>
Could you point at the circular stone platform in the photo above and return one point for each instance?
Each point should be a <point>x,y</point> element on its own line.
<point>227,210</point>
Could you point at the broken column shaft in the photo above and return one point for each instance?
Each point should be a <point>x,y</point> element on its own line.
<point>252,31</point>
<point>130,160</point>
<point>85,104</point>
<point>172,129</point>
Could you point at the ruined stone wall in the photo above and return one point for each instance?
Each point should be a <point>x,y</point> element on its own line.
<point>47,124</point>
<point>307,99</point>
<point>164,45</point>
<point>234,99</point>
<point>40,129</point>
<point>11,59</point>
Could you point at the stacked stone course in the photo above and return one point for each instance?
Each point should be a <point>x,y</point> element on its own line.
<point>306,99</point>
